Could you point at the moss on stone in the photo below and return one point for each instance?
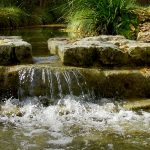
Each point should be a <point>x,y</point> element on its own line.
<point>136,104</point>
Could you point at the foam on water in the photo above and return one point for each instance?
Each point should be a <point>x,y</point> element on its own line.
<point>70,117</point>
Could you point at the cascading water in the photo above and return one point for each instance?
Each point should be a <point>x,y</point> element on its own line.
<point>51,83</point>
<point>55,111</point>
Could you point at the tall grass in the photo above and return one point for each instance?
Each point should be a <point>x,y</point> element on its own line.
<point>102,16</point>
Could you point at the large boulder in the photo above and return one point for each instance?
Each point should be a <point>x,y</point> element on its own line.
<point>101,51</point>
<point>13,50</point>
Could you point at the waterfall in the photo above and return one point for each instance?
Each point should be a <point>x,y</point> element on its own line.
<point>52,83</point>
<point>55,110</point>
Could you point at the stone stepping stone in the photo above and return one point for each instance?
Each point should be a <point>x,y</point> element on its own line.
<point>109,51</point>
<point>13,50</point>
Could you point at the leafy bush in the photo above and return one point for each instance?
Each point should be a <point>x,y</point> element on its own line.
<point>102,16</point>
<point>12,17</point>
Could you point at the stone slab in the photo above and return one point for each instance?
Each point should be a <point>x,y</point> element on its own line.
<point>13,50</point>
<point>118,83</point>
<point>101,51</point>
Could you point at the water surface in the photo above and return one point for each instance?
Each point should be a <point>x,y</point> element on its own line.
<point>36,36</point>
<point>72,124</point>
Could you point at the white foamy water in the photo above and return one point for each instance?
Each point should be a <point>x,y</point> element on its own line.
<point>60,124</point>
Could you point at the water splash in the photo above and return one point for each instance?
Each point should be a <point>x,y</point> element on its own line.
<point>56,110</point>
<point>63,123</point>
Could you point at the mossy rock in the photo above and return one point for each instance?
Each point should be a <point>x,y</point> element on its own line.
<point>57,82</point>
<point>103,50</point>
<point>14,51</point>
<point>136,104</point>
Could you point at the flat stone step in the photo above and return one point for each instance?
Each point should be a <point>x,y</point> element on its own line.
<point>101,51</point>
<point>13,50</point>
<point>118,83</point>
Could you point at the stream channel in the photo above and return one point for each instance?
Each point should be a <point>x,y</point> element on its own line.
<point>60,119</point>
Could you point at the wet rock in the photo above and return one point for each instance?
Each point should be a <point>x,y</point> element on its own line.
<point>56,82</point>
<point>136,104</point>
<point>10,110</point>
<point>139,52</point>
<point>88,52</point>
<point>119,83</point>
<point>45,101</point>
<point>101,51</point>
<point>13,50</point>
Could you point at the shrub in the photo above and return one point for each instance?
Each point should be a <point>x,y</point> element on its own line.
<point>102,16</point>
<point>12,17</point>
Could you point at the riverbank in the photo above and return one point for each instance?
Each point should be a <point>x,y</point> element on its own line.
<point>13,17</point>
<point>78,21</point>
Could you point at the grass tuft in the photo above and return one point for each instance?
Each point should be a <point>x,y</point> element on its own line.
<point>102,17</point>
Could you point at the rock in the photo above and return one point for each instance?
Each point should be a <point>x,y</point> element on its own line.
<point>13,50</point>
<point>95,53</point>
<point>46,81</point>
<point>144,33</point>
<point>10,37</point>
<point>45,101</point>
<point>144,36</point>
<point>143,14</point>
<point>105,38</point>
<point>53,44</point>
<point>139,52</point>
<point>101,50</point>
<point>119,83</point>
<point>10,110</point>
<point>135,104</point>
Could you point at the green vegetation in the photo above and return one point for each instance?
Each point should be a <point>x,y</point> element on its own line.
<point>102,17</point>
<point>18,13</point>
<point>12,17</point>
<point>87,17</point>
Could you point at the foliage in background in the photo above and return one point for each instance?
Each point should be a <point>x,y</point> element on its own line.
<point>102,17</point>
<point>143,2</point>
<point>84,16</point>
<point>16,13</point>
<point>12,17</point>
